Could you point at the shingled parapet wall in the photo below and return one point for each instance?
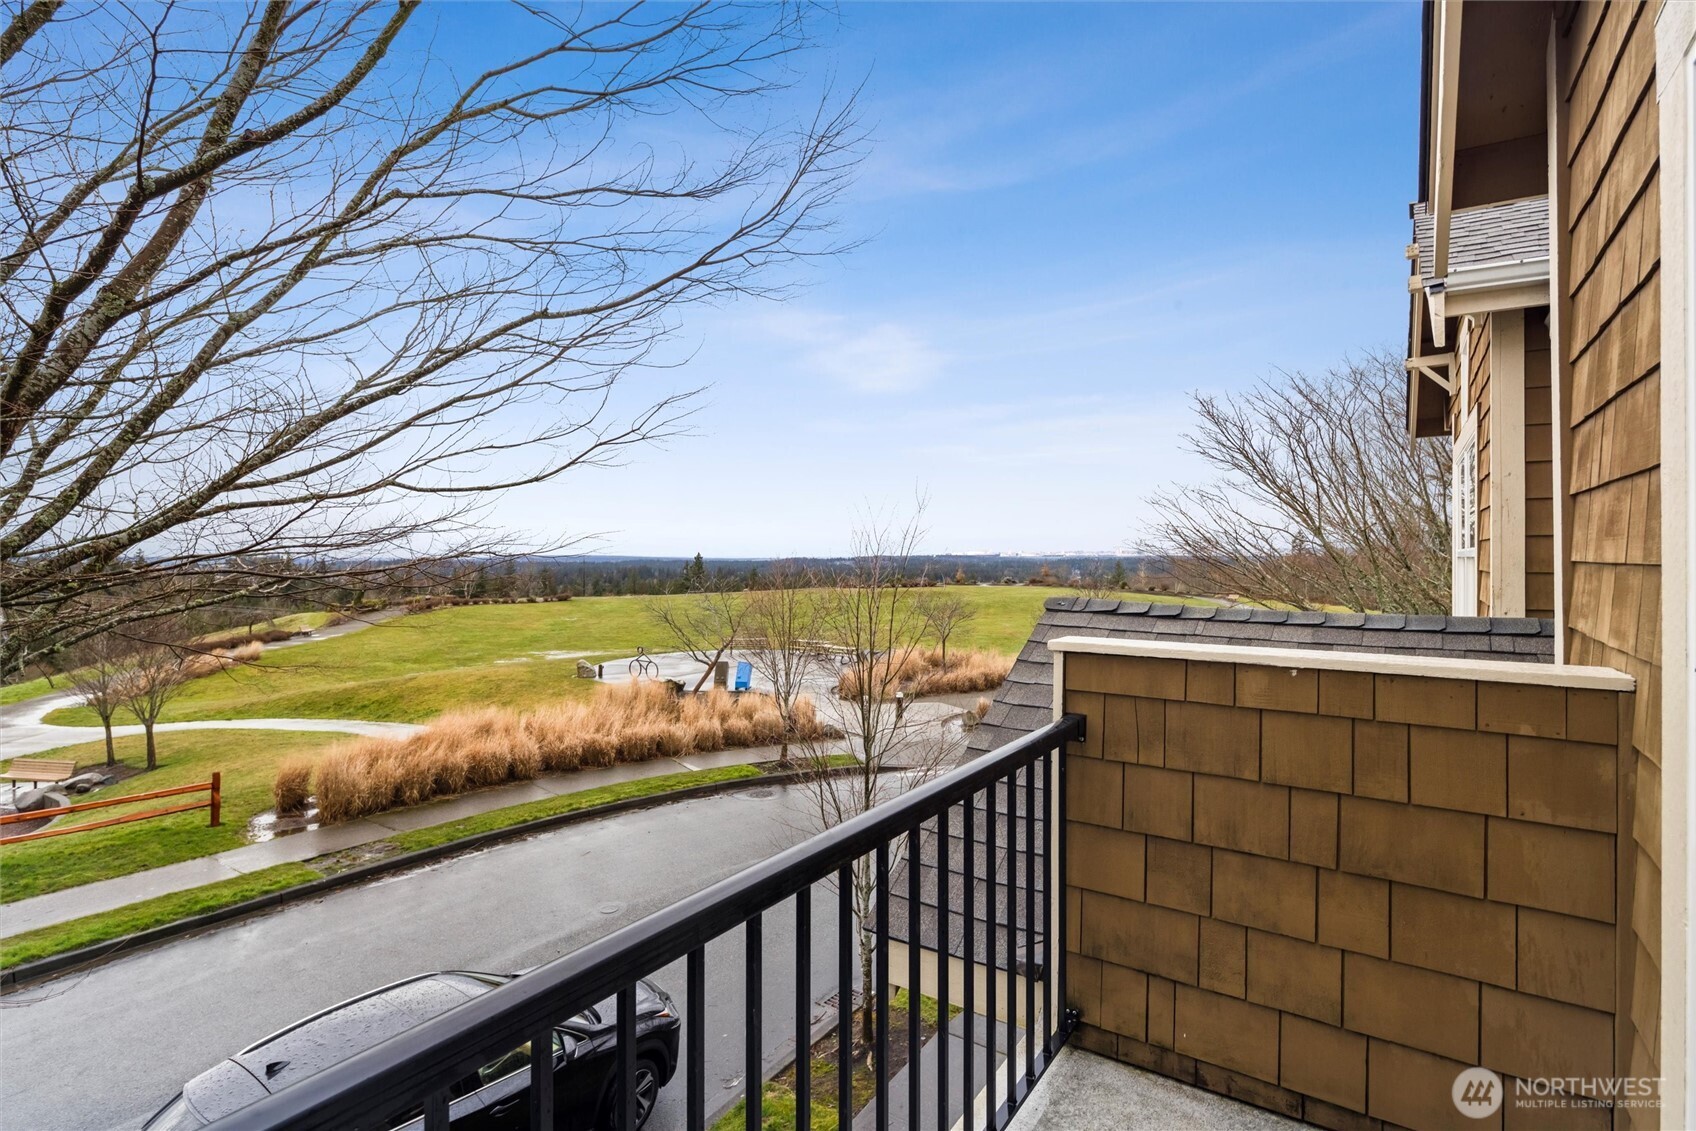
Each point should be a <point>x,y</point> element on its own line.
<point>1325,883</point>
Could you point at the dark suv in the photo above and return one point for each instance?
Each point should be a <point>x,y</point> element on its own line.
<point>495,1096</point>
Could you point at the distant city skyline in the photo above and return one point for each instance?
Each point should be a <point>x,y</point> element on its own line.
<point>1072,216</point>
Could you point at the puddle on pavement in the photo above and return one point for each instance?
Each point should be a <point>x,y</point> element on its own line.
<point>269,826</point>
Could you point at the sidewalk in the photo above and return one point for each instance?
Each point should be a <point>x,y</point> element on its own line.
<point>106,895</point>
<point>22,731</point>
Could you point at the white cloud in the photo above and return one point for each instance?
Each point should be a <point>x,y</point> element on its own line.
<point>880,357</point>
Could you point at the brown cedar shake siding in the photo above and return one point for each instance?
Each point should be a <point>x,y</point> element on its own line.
<point>1609,285</point>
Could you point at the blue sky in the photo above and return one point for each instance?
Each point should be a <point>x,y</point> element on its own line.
<point>1073,215</point>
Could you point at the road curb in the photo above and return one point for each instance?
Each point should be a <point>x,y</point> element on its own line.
<point>27,973</point>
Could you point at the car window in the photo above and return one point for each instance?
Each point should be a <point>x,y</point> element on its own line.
<point>502,1067</point>
<point>518,1060</point>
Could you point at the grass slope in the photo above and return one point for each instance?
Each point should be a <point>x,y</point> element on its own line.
<point>433,835</point>
<point>247,760</point>
<point>150,913</point>
<point>412,668</point>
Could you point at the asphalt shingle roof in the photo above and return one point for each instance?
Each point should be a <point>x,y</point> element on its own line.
<point>1025,701</point>
<point>1501,233</point>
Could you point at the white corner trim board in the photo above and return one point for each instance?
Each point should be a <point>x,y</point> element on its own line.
<point>1377,663</point>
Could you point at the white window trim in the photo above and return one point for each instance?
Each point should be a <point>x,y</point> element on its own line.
<point>1675,47</point>
<point>1463,496</point>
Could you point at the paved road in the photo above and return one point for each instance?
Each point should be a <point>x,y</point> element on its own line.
<point>105,1048</point>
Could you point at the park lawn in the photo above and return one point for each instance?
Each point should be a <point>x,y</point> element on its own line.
<point>247,759</point>
<point>412,668</point>
<point>30,688</point>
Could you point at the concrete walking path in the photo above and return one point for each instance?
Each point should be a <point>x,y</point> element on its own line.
<point>106,895</point>
<point>22,731</point>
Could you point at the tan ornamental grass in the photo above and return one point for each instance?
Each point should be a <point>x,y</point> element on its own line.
<point>473,748</point>
<point>293,787</point>
<point>922,672</point>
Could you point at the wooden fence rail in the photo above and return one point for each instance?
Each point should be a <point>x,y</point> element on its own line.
<point>214,802</point>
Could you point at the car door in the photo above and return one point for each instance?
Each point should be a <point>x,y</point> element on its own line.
<point>503,1097</point>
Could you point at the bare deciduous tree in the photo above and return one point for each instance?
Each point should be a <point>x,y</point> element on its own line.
<point>705,624</point>
<point>280,289</point>
<point>99,675</point>
<point>944,613</point>
<point>1322,499</point>
<point>871,611</point>
<point>782,632</point>
<point>158,670</point>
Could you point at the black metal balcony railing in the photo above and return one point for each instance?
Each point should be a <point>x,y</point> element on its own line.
<point>413,1069</point>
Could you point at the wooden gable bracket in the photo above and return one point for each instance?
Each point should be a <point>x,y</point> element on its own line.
<point>1428,363</point>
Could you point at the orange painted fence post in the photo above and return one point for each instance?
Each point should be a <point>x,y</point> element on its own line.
<point>215,803</point>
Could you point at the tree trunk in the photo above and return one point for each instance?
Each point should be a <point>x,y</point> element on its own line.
<point>111,752</point>
<point>152,754</point>
<point>869,998</point>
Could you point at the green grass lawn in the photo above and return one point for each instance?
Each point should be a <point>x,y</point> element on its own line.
<point>30,688</point>
<point>412,668</point>
<point>91,929</point>
<point>433,835</point>
<point>247,759</point>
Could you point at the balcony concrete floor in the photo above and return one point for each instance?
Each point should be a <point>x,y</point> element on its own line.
<point>1086,1092</point>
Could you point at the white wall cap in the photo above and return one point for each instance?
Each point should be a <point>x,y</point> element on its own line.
<point>1434,667</point>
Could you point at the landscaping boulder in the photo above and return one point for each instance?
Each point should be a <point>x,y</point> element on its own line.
<point>30,800</point>
<point>585,670</point>
<point>82,783</point>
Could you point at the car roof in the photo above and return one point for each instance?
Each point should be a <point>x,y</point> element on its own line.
<point>329,1037</point>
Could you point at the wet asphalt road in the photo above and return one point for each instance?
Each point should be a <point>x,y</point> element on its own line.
<point>106,1048</point>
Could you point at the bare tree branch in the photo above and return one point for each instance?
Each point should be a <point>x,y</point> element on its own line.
<point>1322,499</point>
<point>279,288</point>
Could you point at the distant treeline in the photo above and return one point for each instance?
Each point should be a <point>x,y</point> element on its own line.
<point>609,577</point>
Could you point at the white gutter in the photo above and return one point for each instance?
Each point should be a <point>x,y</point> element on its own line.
<point>1508,284</point>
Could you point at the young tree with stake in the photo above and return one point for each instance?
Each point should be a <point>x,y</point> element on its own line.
<point>870,610</point>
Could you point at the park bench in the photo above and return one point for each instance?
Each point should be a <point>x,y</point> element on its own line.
<point>38,770</point>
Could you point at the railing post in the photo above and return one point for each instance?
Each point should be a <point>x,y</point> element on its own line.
<point>804,1009</point>
<point>1060,934</point>
<point>217,798</point>
<point>753,1026</point>
<point>624,1110</point>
